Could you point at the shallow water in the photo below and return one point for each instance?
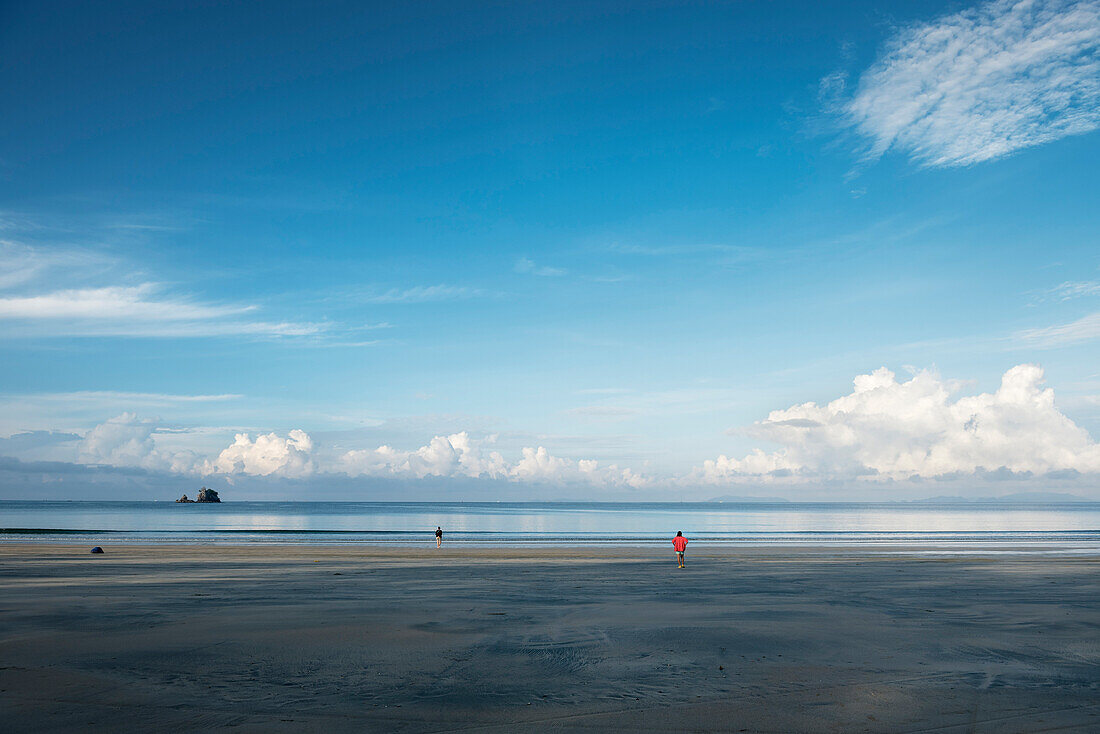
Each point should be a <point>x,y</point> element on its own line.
<point>1067,526</point>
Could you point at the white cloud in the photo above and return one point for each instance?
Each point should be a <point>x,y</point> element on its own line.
<point>130,441</point>
<point>443,456</point>
<point>135,311</point>
<point>982,83</point>
<point>530,267</point>
<point>44,292</point>
<point>268,455</point>
<point>890,430</point>
<point>460,455</point>
<point>127,440</point>
<point>1083,329</point>
<point>124,440</point>
<point>538,465</point>
<point>114,302</point>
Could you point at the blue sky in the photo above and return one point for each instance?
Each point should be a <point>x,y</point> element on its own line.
<point>550,249</point>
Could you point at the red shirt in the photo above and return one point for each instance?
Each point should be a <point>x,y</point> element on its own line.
<point>679,543</point>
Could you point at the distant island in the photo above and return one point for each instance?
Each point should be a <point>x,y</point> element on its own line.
<point>737,498</point>
<point>205,495</point>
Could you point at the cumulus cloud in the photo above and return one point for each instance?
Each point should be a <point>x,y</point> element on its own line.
<point>540,466</point>
<point>127,440</point>
<point>130,441</point>
<point>443,456</point>
<point>887,429</point>
<point>270,454</point>
<point>460,455</point>
<point>984,82</point>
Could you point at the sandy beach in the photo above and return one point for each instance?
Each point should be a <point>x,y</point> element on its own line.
<point>181,638</point>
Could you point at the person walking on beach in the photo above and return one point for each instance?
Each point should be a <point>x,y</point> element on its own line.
<point>680,543</point>
<point>438,537</point>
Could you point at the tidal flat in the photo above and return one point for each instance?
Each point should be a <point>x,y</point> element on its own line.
<point>497,639</point>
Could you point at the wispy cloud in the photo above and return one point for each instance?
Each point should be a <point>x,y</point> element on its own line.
<point>136,311</point>
<point>144,398</point>
<point>113,302</point>
<point>348,345</point>
<point>423,294</point>
<point>50,292</point>
<point>1083,329</point>
<point>603,412</point>
<point>1071,289</point>
<point>677,250</point>
<point>722,255</point>
<point>530,267</point>
<point>622,278</point>
<point>21,263</point>
<point>983,83</point>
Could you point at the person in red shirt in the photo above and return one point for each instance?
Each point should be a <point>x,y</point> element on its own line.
<point>680,543</point>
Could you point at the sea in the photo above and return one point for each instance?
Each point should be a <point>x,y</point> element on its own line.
<point>1063,528</point>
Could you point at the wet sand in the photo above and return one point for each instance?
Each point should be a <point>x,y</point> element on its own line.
<point>180,638</point>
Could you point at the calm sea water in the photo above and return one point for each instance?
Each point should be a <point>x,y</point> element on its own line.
<point>1062,527</point>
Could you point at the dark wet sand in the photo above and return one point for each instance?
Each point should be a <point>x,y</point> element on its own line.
<point>174,638</point>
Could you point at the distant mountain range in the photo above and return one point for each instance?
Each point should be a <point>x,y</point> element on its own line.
<point>1018,497</point>
<point>1036,497</point>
